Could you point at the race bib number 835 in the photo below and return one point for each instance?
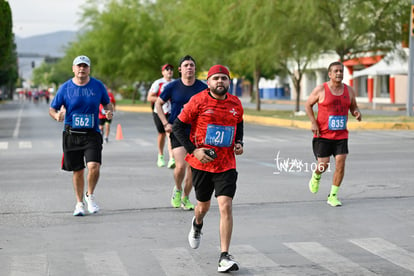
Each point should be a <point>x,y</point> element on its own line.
<point>337,122</point>
<point>219,136</point>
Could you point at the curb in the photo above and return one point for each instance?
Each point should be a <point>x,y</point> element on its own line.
<point>297,123</point>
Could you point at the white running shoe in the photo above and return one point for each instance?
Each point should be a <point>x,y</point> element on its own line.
<point>227,264</point>
<point>79,209</point>
<point>194,237</point>
<point>90,201</point>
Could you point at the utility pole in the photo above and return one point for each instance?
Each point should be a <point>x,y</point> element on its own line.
<point>411,64</point>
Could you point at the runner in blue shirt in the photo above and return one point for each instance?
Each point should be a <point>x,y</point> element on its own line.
<point>77,104</point>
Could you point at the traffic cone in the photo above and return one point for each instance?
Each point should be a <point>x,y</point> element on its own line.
<point>119,135</point>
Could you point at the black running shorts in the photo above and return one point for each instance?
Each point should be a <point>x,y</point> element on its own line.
<point>158,123</point>
<point>205,183</point>
<point>325,147</point>
<point>81,148</point>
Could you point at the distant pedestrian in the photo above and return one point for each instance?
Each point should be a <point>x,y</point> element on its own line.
<point>82,141</point>
<point>334,99</point>
<point>216,121</point>
<point>167,71</point>
<point>179,93</point>
<point>105,123</point>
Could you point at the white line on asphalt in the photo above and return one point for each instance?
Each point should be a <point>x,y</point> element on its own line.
<point>256,262</point>
<point>328,259</point>
<point>142,142</point>
<point>25,145</point>
<point>17,127</point>
<point>33,265</point>
<point>104,264</point>
<point>177,262</point>
<point>4,145</point>
<point>388,251</point>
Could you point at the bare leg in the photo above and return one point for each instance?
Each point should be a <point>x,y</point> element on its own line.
<point>93,176</point>
<point>161,143</point>
<point>323,163</point>
<point>170,151</point>
<point>339,169</point>
<point>180,167</point>
<point>201,210</point>
<point>78,184</point>
<point>188,182</point>
<point>226,221</point>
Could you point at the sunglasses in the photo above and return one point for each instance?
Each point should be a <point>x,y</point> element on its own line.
<point>168,69</point>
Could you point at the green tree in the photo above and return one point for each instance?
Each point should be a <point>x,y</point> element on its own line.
<point>8,60</point>
<point>352,26</point>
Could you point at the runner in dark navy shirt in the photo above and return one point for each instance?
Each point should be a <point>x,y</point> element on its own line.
<point>179,93</point>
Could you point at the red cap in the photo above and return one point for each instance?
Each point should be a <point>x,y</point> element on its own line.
<point>218,69</point>
<point>165,66</point>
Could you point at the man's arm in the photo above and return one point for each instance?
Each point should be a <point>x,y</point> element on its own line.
<point>179,130</point>
<point>57,115</point>
<point>354,107</point>
<point>238,144</point>
<point>152,97</point>
<point>109,111</point>
<point>313,98</point>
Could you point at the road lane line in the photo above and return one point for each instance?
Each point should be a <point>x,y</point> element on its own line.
<point>18,122</point>
<point>256,262</point>
<point>387,251</point>
<point>25,145</point>
<point>177,262</point>
<point>30,265</point>
<point>104,264</point>
<point>328,259</point>
<point>4,145</point>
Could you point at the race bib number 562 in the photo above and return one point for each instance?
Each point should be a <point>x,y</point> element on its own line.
<point>219,136</point>
<point>82,121</point>
<point>337,122</point>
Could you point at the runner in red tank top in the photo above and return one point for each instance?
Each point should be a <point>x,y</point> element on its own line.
<point>334,100</point>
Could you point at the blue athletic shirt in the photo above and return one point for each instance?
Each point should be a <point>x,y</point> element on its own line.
<point>179,94</point>
<point>81,103</point>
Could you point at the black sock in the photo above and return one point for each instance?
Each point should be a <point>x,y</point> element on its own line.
<point>198,226</point>
<point>223,254</point>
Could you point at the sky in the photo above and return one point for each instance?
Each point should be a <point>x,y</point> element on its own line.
<point>35,17</point>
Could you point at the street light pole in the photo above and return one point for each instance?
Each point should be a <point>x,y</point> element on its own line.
<point>411,64</point>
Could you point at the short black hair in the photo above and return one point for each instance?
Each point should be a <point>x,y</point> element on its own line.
<point>335,63</point>
<point>187,57</point>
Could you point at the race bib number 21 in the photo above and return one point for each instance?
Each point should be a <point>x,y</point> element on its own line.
<point>219,136</point>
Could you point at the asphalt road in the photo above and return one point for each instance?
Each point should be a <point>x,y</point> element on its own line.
<point>280,227</point>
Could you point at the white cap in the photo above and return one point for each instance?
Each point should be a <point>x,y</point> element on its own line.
<point>82,59</point>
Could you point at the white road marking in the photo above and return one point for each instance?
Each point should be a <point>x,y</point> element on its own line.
<point>388,251</point>
<point>104,264</point>
<point>177,262</point>
<point>328,259</point>
<point>30,265</point>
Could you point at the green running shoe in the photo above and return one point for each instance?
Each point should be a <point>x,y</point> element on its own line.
<point>333,201</point>
<point>314,183</point>
<point>160,162</point>
<point>176,198</point>
<point>171,163</point>
<point>186,204</point>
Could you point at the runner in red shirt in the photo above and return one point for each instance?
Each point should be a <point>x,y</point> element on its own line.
<point>216,119</point>
<point>334,100</point>
<point>105,123</point>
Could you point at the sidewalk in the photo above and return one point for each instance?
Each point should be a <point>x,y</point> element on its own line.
<point>383,110</point>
